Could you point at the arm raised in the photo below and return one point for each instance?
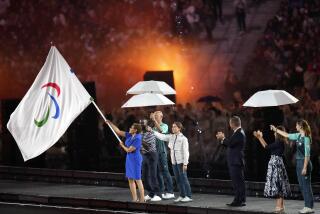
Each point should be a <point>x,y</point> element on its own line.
<point>116,129</point>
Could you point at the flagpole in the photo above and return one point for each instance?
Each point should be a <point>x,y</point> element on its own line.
<point>104,118</point>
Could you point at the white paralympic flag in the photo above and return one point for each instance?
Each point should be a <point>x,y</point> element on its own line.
<point>54,100</point>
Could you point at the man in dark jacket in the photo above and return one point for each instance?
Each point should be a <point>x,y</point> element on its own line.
<point>235,156</point>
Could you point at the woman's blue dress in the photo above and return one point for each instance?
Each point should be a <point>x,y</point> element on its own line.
<point>133,159</point>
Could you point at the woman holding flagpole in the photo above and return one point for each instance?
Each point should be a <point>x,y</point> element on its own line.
<point>132,147</point>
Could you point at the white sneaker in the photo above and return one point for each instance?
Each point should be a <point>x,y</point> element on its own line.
<point>178,199</point>
<point>147,198</point>
<point>186,199</point>
<point>169,196</point>
<point>306,210</point>
<point>156,198</point>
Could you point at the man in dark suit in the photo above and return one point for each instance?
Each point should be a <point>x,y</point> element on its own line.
<point>235,157</point>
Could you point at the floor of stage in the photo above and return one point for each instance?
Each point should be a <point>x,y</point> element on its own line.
<point>78,195</point>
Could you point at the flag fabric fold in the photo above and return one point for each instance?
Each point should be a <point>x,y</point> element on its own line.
<point>54,100</point>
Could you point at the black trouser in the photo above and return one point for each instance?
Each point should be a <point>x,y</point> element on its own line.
<point>149,173</point>
<point>241,19</point>
<point>237,177</point>
<point>216,8</point>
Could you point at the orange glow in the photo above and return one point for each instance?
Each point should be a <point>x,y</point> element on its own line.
<point>160,55</point>
<point>128,42</point>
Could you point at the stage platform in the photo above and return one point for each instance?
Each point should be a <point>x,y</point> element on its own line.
<point>72,198</point>
<point>199,185</point>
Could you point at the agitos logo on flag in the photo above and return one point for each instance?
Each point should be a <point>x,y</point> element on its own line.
<point>55,95</point>
<point>57,108</point>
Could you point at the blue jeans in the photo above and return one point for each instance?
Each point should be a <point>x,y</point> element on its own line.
<point>164,176</point>
<point>182,180</point>
<point>305,183</point>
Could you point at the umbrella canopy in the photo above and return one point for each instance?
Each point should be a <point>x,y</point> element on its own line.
<point>270,98</point>
<point>147,99</point>
<point>157,87</point>
<point>209,99</point>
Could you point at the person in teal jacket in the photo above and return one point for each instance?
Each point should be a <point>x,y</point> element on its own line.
<point>164,176</point>
<point>303,141</point>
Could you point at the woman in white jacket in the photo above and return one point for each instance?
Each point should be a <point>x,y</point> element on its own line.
<point>179,153</point>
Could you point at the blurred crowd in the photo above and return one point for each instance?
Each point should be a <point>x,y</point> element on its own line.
<point>91,28</point>
<point>289,52</point>
<point>87,27</point>
<point>100,42</point>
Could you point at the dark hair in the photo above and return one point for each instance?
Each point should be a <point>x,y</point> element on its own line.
<point>305,127</point>
<point>144,124</point>
<point>280,137</point>
<point>138,127</point>
<point>179,125</point>
<point>235,120</point>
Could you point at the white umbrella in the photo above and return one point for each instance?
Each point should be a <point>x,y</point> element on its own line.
<point>147,99</point>
<point>157,87</point>
<point>270,98</point>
